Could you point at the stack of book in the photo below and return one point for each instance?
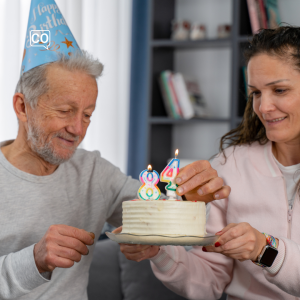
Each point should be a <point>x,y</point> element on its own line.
<point>181,96</point>
<point>263,14</point>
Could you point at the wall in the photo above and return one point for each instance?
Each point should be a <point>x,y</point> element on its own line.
<point>104,29</point>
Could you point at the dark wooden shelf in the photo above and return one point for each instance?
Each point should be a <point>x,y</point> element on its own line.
<point>166,120</point>
<point>152,52</point>
<point>239,120</point>
<point>218,43</point>
<point>244,38</point>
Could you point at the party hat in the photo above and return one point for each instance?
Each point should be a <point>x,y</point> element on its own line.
<point>47,35</point>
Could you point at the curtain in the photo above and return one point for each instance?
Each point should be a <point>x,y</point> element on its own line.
<point>103,28</point>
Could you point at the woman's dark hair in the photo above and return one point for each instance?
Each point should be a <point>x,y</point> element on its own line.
<point>283,42</point>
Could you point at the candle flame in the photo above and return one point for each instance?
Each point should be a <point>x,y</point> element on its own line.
<point>149,168</point>
<point>176,153</point>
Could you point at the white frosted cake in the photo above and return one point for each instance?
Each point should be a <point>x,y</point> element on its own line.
<point>164,217</point>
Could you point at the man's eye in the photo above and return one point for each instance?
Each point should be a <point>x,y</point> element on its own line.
<point>64,111</point>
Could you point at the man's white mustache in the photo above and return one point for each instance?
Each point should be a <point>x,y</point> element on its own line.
<point>67,137</point>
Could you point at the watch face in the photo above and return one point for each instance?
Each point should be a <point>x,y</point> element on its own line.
<point>269,256</point>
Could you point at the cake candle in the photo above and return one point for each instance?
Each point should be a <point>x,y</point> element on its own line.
<point>149,189</point>
<point>169,174</point>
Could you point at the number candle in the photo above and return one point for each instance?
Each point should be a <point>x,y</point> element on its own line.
<point>169,174</point>
<point>149,189</point>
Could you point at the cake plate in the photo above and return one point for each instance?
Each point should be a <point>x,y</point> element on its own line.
<point>160,240</point>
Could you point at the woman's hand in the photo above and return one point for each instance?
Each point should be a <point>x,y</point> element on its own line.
<point>137,252</point>
<point>239,241</point>
<point>200,182</point>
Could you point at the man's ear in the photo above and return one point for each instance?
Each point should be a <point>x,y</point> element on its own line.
<point>19,107</point>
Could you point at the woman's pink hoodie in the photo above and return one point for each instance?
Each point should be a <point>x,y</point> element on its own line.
<point>258,197</point>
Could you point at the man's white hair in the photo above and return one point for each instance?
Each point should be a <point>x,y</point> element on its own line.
<point>33,83</point>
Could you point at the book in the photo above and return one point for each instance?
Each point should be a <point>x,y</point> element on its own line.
<point>272,10</point>
<point>174,95</point>
<point>253,15</point>
<point>196,97</point>
<point>166,94</point>
<point>183,96</point>
<point>263,14</point>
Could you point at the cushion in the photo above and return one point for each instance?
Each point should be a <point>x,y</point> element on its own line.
<point>104,280</point>
<point>139,282</point>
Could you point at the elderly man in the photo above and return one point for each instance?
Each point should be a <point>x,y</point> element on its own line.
<point>54,197</point>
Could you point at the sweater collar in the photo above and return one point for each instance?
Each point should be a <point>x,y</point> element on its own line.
<point>263,160</point>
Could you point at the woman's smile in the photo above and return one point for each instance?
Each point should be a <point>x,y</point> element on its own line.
<point>275,121</point>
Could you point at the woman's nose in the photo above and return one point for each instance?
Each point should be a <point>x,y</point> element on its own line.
<point>266,104</point>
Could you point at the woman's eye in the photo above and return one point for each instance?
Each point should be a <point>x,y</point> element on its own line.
<point>255,94</point>
<point>279,91</point>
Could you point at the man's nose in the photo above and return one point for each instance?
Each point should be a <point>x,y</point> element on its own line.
<point>76,125</point>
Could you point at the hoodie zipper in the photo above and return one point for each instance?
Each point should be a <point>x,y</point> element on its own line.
<point>290,215</point>
<point>289,211</point>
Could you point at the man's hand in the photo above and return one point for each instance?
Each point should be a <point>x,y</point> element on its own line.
<point>137,252</point>
<point>61,246</point>
<point>200,182</point>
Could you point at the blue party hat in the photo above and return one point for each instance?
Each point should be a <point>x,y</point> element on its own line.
<point>47,35</point>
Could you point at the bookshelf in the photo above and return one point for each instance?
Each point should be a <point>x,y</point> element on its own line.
<point>152,135</point>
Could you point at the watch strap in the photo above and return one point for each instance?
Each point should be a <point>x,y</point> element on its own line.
<point>271,241</point>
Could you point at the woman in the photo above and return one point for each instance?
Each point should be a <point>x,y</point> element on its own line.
<point>261,166</point>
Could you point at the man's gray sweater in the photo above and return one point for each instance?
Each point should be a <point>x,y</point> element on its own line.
<point>84,192</point>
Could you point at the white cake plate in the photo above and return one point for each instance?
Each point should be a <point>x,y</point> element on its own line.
<point>160,240</point>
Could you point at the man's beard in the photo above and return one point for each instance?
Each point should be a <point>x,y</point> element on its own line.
<point>45,149</point>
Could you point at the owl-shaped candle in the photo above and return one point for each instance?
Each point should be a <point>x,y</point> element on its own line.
<point>169,174</point>
<point>149,189</point>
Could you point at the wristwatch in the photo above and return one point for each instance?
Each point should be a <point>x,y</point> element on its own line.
<point>268,253</point>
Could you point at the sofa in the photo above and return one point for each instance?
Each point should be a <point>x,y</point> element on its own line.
<point>113,277</point>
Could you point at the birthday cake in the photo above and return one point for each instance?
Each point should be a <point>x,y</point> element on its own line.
<point>150,216</point>
<point>164,217</point>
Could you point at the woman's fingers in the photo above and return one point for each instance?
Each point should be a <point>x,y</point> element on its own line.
<point>229,246</point>
<point>191,170</point>
<point>239,241</point>
<point>233,231</point>
<point>222,193</point>
<point>200,182</point>
<point>200,179</point>
<point>221,232</point>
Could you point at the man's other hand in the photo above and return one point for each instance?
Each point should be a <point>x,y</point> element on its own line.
<point>61,247</point>
<point>138,252</point>
<point>200,182</point>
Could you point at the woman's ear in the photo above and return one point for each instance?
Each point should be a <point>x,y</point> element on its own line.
<point>19,107</point>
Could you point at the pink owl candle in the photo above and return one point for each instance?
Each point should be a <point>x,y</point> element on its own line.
<point>169,174</point>
<point>149,189</point>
